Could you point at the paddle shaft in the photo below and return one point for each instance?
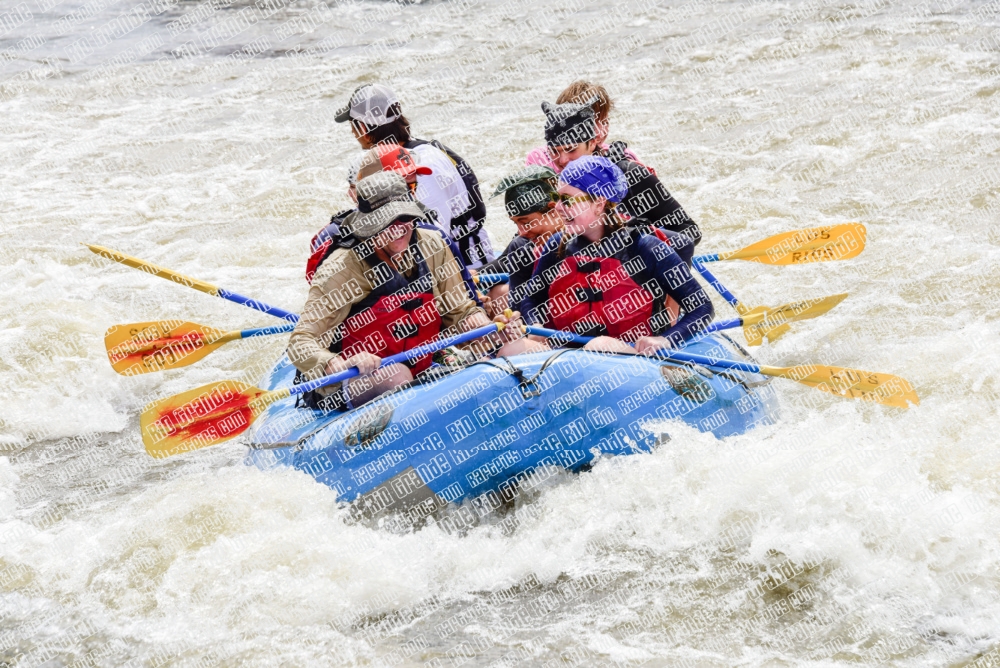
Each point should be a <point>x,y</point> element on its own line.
<point>258,305</point>
<point>264,331</point>
<point>216,291</point>
<point>569,337</point>
<point>720,325</point>
<point>491,279</point>
<point>559,335</point>
<point>194,283</point>
<point>238,334</point>
<point>715,283</point>
<point>708,257</point>
<point>404,356</point>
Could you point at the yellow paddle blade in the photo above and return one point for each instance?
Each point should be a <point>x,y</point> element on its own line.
<point>817,244</point>
<point>881,388</point>
<point>153,269</point>
<point>203,416</point>
<point>145,347</point>
<point>771,323</point>
<point>755,334</point>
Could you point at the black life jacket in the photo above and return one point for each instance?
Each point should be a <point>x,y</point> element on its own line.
<point>653,201</point>
<point>466,224</point>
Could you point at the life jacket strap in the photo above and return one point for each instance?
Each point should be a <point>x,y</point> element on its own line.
<point>589,295</point>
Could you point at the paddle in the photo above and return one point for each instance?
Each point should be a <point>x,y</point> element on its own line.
<point>880,388</point>
<point>220,411</point>
<point>489,280</point>
<point>145,347</point>
<point>214,290</point>
<point>816,244</point>
<point>201,286</point>
<point>766,322</point>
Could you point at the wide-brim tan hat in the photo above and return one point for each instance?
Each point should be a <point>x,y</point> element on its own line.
<point>382,198</point>
<point>367,225</point>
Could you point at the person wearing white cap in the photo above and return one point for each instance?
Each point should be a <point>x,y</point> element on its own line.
<point>452,192</point>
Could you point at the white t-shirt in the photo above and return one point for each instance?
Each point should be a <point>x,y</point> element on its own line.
<point>445,193</point>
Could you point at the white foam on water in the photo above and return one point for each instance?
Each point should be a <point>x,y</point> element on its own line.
<point>847,533</point>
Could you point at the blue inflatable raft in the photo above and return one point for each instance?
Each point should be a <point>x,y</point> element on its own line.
<point>484,429</point>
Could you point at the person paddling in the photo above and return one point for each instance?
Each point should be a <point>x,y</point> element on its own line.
<point>529,199</point>
<point>603,278</point>
<point>389,158</point>
<point>453,193</point>
<point>571,133</point>
<point>385,157</point>
<point>398,287</point>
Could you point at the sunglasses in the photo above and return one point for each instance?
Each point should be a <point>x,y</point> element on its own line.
<point>572,200</point>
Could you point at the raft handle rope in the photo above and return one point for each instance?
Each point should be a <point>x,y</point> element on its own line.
<point>545,365</point>
<point>741,377</point>
<point>530,387</point>
<point>736,377</point>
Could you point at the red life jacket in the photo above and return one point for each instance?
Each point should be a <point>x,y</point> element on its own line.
<point>400,314</point>
<point>596,296</point>
<point>325,242</point>
<point>318,255</point>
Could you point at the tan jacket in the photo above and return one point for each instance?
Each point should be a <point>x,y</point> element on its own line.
<point>342,280</point>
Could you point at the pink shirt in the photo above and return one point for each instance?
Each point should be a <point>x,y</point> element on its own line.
<point>540,156</point>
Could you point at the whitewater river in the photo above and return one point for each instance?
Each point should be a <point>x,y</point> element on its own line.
<point>200,135</point>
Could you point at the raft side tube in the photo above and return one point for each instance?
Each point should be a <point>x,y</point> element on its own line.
<point>482,429</point>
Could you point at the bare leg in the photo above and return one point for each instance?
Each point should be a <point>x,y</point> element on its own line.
<point>522,346</point>
<point>362,389</point>
<point>606,344</point>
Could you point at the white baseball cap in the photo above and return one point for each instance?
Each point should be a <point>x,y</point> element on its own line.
<point>371,105</point>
